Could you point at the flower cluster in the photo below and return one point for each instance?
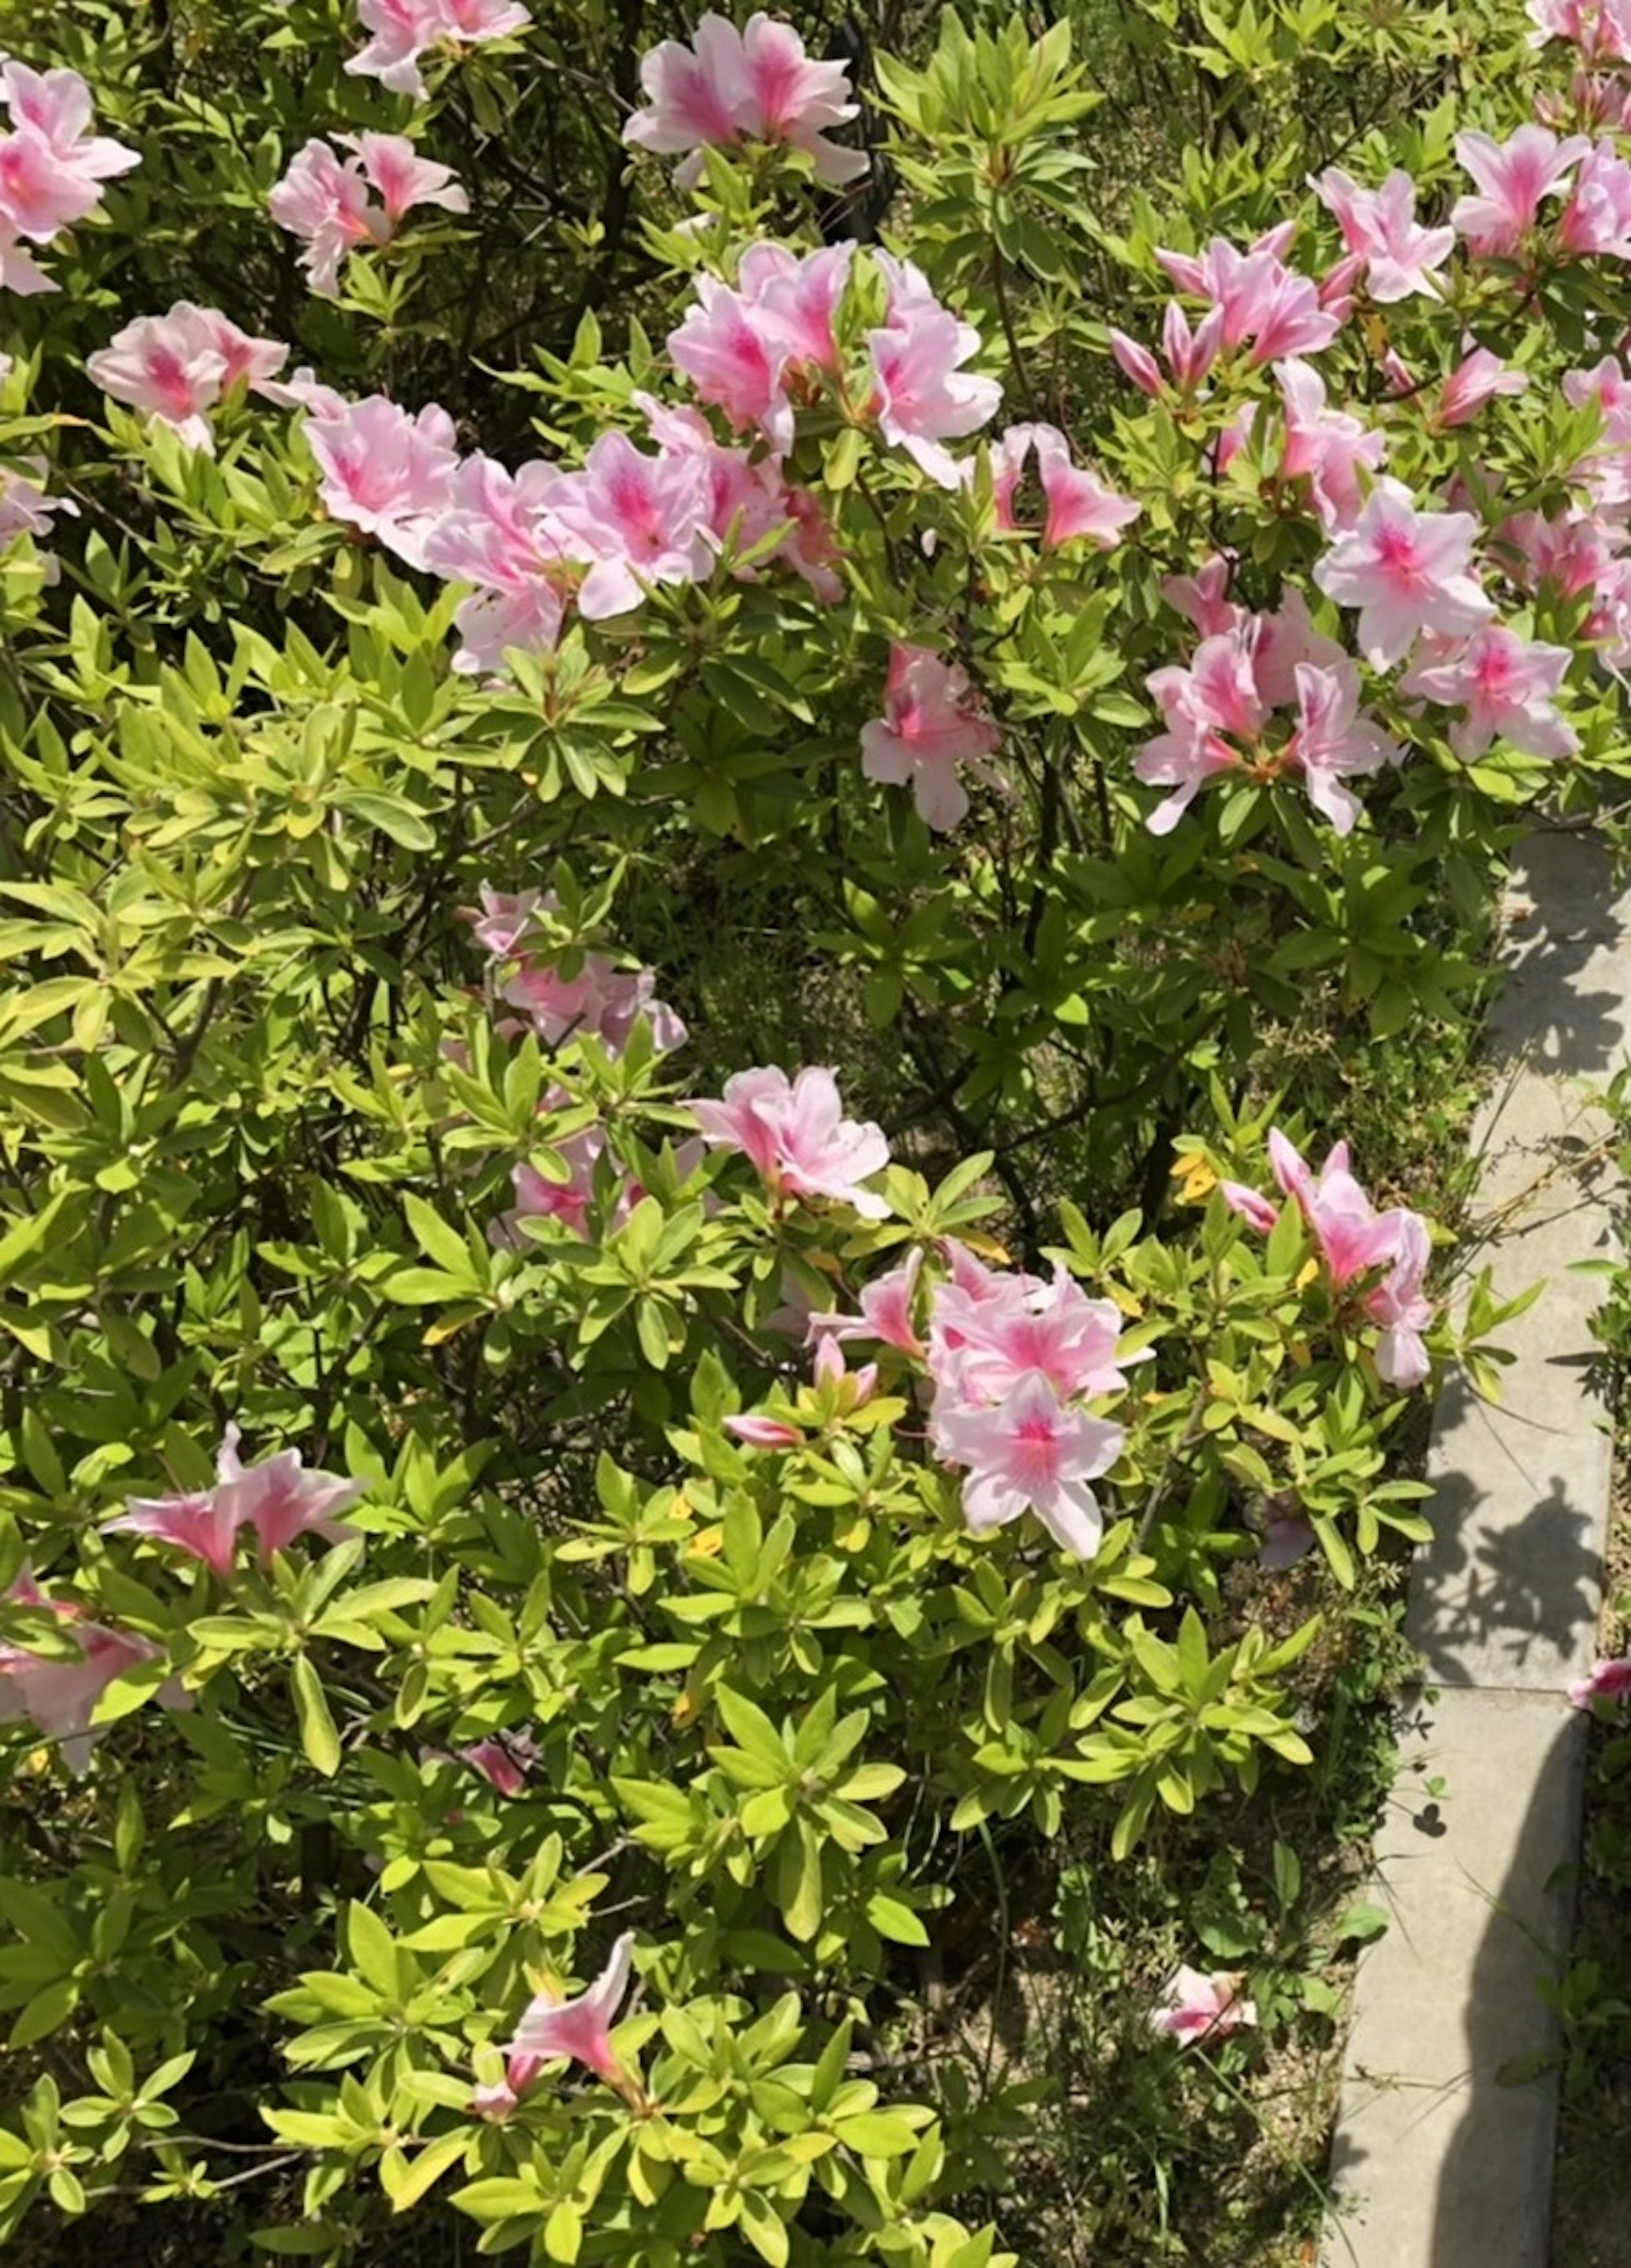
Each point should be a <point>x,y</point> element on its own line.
<point>52,167</point>
<point>1355,1241</point>
<point>401,30</point>
<point>324,200</point>
<point>1011,1357</point>
<point>1220,710</point>
<point>729,87</point>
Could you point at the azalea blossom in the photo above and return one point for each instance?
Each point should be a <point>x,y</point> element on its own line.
<point>401,30</point>
<point>1333,742</point>
<point>552,2028</point>
<point>277,1499</point>
<point>1379,227</point>
<point>58,1694</point>
<point>176,367</point>
<point>1506,685</point>
<point>794,1132</point>
<point>51,166</point>
<point>1477,379</point>
<point>923,397</point>
<point>1258,299</point>
<point>730,86</point>
<point>929,726</point>
<point>989,1331</point>
<point>1030,1452</point>
<point>1597,216</point>
<point>1325,446</point>
<point>1407,570</point>
<point>497,531</point>
<point>885,1311</point>
<point>1355,1241</point>
<point>1601,29</point>
<point>1605,1681</point>
<point>1195,2006</point>
<point>503,1759</point>
<point>1078,504</point>
<point>1513,178</point>
<point>324,199</point>
<point>639,521</point>
<point>386,471</point>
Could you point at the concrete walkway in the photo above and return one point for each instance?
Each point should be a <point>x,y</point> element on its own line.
<point>1436,2162</point>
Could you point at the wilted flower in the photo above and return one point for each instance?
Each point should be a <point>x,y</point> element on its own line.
<point>1194,2007</point>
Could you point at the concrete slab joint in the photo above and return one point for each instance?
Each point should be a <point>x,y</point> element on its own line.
<point>1438,2162</point>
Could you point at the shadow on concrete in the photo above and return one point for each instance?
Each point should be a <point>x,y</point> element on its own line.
<point>1493,1601</point>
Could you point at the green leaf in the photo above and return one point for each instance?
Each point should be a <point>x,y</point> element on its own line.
<point>318,1737</point>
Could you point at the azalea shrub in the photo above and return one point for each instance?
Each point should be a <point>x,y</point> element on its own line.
<point>721,776</point>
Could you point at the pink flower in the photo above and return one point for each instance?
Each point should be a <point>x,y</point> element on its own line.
<point>1512,177</point>
<point>760,1432</point>
<point>1325,446</point>
<point>552,2028</point>
<point>402,30</point>
<point>386,471</point>
<point>1476,380</point>
<point>1379,226</point>
<point>1607,1681</point>
<point>503,1759</point>
<point>1506,684</point>
<point>1407,570</point>
<point>404,178</point>
<point>733,358</point>
<point>176,367</point>
<point>924,398</point>
<point>1215,697</point>
<point>1400,1305</point>
<point>794,1132</point>
<point>537,1199</point>
<point>928,727</point>
<point>1029,1453</point>
<point>58,1693</point>
<point>51,166</point>
<point>731,86</point>
<point>26,509</point>
<point>1598,215</point>
<point>1137,362</point>
<point>497,531</point>
<point>323,199</point>
<point>276,1498</point>
<point>1601,29</point>
<point>1332,743</point>
<point>1250,1204</point>
<point>1257,298</point>
<point>504,919</point>
<point>1194,2007</point>
<point>988,1331</point>
<point>638,520</point>
<point>886,1306</point>
<point>1353,1240</point>
<point>601,999</point>
<point>1078,503</point>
